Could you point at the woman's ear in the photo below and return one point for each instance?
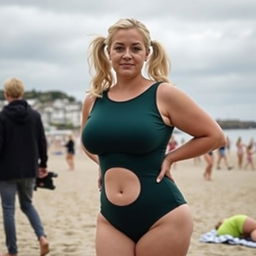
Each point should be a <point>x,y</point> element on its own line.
<point>147,54</point>
<point>108,53</point>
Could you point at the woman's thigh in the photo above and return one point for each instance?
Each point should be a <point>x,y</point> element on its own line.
<point>110,241</point>
<point>170,235</point>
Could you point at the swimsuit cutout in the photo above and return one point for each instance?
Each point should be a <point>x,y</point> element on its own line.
<point>132,135</point>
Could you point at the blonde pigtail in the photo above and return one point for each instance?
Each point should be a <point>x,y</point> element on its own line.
<point>98,60</point>
<point>158,64</point>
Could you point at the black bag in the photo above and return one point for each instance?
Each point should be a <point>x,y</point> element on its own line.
<point>46,182</point>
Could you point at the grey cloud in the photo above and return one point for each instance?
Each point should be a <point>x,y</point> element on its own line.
<point>188,10</point>
<point>211,45</point>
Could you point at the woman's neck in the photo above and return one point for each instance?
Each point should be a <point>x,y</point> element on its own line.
<point>124,89</point>
<point>131,84</point>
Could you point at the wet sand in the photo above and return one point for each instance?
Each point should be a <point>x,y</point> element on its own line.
<point>69,212</point>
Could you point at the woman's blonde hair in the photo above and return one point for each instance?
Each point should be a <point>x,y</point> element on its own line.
<point>14,88</point>
<point>157,65</point>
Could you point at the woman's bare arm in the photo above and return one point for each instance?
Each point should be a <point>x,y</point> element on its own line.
<point>181,111</point>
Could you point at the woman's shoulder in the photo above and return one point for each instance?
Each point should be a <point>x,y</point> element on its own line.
<point>89,98</point>
<point>169,91</point>
<point>89,101</point>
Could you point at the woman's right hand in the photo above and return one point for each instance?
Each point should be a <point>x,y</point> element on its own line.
<point>165,170</point>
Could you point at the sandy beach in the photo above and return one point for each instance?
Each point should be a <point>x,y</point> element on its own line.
<point>69,212</point>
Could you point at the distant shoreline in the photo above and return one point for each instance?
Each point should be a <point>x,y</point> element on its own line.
<point>236,124</point>
<point>238,128</point>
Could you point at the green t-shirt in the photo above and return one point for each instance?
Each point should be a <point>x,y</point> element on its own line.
<point>232,226</point>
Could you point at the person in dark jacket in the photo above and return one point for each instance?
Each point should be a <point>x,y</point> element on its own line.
<point>23,157</point>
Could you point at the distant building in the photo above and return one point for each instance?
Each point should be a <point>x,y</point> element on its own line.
<point>60,112</point>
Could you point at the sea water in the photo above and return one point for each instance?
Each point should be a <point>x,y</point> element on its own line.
<point>246,134</point>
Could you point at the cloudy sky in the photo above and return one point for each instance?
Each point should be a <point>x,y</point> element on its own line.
<point>212,46</point>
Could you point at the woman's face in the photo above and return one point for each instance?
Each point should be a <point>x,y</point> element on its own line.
<point>128,52</point>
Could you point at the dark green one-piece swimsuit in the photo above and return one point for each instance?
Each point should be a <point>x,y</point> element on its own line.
<point>131,134</point>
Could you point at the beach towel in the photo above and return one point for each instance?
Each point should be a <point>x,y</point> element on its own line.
<point>212,237</point>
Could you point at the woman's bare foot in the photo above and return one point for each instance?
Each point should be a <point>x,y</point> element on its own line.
<point>44,246</point>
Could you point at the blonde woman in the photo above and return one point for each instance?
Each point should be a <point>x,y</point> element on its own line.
<point>128,119</point>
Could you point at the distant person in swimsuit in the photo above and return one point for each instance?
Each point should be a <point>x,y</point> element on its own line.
<point>240,147</point>
<point>127,121</point>
<point>250,151</point>
<point>172,144</point>
<point>240,226</point>
<point>228,144</point>
<point>222,156</point>
<point>209,165</point>
<point>70,147</point>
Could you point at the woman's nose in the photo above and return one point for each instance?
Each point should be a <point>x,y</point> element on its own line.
<point>127,54</point>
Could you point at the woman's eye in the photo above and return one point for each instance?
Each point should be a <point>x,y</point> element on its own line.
<point>118,48</point>
<point>136,49</point>
<point>121,49</point>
